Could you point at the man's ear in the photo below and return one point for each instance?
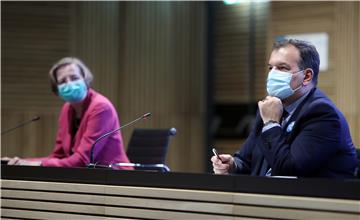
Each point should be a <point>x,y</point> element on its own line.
<point>308,76</point>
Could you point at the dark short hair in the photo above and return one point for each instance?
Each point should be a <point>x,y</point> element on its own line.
<point>309,57</point>
<point>85,72</point>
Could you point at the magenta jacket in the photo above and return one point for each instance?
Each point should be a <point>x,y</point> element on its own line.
<point>98,118</point>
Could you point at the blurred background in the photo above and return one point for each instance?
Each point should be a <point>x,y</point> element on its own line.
<point>197,66</point>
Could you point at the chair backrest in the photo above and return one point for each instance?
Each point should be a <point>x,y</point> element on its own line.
<point>149,146</point>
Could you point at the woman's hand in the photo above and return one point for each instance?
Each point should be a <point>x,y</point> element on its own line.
<point>22,162</point>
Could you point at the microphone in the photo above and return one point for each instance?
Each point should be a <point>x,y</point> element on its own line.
<point>20,125</point>
<point>92,164</point>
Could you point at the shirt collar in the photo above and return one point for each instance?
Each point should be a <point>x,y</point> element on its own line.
<point>291,108</point>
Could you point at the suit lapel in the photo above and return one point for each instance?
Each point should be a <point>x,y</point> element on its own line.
<point>262,166</point>
<point>290,127</point>
<point>68,137</point>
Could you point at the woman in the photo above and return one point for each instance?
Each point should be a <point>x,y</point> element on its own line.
<point>85,116</point>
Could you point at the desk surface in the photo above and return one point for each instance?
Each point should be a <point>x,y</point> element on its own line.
<point>323,188</point>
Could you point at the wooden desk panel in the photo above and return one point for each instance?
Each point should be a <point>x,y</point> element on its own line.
<point>80,193</point>
<point>51,200</point>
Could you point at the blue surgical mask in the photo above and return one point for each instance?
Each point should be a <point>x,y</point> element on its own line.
<point>278,84</point>
<point>73,91</point>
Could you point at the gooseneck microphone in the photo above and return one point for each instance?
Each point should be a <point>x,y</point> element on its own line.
<point>20,125</point>
<point>92,164</point>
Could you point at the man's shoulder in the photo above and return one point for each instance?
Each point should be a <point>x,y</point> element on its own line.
<point>318,94</point>
<point>321,105</point>
<point>319,99</point>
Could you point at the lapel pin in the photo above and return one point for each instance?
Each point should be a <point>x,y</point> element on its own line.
<point>290,127</point>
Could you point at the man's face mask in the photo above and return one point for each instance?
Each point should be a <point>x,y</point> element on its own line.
<point>74,91</point>
<point>278,84</point>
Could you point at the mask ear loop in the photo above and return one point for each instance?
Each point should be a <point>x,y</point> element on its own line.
<point>301,85</point>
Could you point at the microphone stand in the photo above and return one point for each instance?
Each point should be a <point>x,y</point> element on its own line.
<point>20,125</point>
<point>92,164</point>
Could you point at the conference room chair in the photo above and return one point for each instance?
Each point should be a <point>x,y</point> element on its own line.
<point>147,149</point>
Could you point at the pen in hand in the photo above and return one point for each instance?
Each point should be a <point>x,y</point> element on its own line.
<point>216,154</point>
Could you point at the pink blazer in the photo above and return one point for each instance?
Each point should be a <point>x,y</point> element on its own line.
<point>98,118</point>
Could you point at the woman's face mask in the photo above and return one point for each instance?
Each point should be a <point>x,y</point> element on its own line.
<point>278,84</point>
<point>73,91</point>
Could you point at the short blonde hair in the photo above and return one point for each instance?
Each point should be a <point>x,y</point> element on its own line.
<point>85,72</point>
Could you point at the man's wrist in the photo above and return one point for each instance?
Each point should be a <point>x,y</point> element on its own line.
<point>270,122</point>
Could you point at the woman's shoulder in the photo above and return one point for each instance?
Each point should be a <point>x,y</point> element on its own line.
<point>99,101</point>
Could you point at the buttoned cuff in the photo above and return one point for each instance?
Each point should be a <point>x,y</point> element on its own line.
<point>270,125</point>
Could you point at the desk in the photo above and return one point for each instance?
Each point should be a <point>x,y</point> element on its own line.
<point>79,193</point>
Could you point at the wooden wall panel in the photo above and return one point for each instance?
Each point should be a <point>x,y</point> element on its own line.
<point>233,84</point>
<point>341,21</point>
<point>96,39</point>
<point>286,18</point>
<point>357,79</point>
<point>28,51</point>
<point>164,74</point>
<point>346,56</point>
<point>145,56</point>
<point>34,36</point>
<point>149,57</point>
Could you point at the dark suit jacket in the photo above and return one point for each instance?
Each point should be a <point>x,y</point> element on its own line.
<point>315,142</point>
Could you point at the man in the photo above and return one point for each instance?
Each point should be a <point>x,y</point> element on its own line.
<point>298,131</point>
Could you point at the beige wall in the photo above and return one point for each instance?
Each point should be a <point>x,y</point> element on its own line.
<point>146,57</point>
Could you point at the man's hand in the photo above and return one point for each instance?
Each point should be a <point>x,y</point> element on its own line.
<point>223,166</point>
<point>271,108</point>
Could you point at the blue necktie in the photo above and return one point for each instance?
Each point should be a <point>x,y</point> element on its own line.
<point>283,118</point>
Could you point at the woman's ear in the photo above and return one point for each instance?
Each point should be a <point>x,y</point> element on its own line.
<point>308,76</point>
